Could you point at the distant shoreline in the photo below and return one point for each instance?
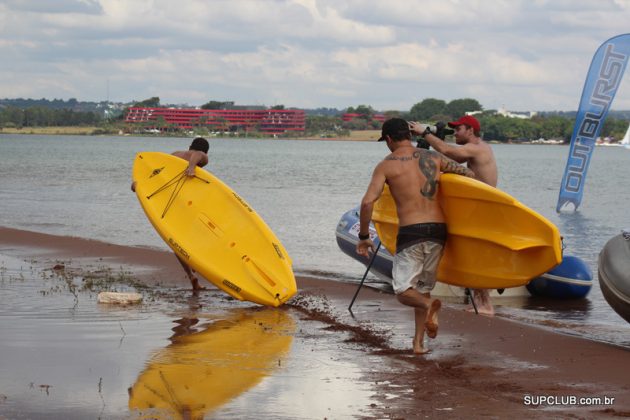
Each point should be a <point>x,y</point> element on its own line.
<point>64,131</point>
<point>355,135</point>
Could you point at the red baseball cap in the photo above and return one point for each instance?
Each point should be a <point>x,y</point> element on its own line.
<point>468,120</point>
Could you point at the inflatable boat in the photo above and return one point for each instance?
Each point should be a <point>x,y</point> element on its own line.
<point>614,273</point>
<point>571,279</point>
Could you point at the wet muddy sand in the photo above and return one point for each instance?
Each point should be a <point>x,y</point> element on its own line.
<point>207,355</point>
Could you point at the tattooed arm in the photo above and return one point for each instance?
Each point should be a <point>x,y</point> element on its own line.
<point>450,166</point>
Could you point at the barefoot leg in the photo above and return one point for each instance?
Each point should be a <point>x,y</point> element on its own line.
<point>189,273</point>
<point>420,315</point>
<point>195,283</point>
<point>420,303</point>
<point>482,300</point>
<point>432,318</point>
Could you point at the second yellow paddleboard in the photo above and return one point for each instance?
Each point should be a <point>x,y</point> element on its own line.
<point>494,241</point>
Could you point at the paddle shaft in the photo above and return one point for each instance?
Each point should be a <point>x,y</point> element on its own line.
<point>472,300</point>
<point>364,276</point>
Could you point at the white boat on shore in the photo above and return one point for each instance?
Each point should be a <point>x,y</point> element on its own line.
<point>625,142</point>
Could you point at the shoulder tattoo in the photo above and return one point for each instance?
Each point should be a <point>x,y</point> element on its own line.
<point>401,158</point>
<point>429,170</point>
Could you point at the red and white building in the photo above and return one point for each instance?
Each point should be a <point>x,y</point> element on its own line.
<point>270,121</point>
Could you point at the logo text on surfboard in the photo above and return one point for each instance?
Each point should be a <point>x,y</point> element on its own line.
<point>156,172</point>
<point>177,247</point>
<point>231,285</point>
<point>240,200</point>
<point>277,248</point>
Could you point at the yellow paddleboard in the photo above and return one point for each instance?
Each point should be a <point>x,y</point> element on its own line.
<point>213,230</point>
<point>200,372</point>
<point>494,241</point>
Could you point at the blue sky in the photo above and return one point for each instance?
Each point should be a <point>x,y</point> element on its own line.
<point>521,55</point>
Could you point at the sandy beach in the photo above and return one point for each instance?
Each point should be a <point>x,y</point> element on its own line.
<point>478,367</point>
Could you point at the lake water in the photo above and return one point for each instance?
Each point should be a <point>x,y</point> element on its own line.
<point>63,356</point>
<point>79,186</point>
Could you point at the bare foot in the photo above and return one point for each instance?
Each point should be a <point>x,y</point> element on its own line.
<point>487,311</point>
<point>482,310</point>
<point>420,350</point>
<point>431,324</point>
<point>195,284</point>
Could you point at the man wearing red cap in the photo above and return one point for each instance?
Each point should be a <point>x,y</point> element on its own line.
<point>479,158</point>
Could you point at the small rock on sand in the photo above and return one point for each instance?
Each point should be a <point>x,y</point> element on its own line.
<point>119,298</point>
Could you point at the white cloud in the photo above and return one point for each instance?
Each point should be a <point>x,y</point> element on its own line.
<point>307,53</point>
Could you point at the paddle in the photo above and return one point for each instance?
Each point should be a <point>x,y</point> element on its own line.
<point>472,300</point>
<point>364,275</point>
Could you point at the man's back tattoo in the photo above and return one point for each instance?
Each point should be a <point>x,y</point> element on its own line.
<point>429,169</point>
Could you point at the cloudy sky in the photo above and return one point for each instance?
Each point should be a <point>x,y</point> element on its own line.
<point>518,54</point>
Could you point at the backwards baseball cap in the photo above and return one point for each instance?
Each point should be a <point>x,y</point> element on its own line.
<point>468,120</point>
<point>396,128</point>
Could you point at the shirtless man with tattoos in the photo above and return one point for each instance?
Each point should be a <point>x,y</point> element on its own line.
<point>412,175</point>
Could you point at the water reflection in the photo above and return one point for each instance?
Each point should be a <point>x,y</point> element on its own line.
<point>563,309</point>
<point>583,236</point>
<point>207,366</point>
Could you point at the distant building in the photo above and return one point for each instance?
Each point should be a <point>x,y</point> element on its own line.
<point>349,116</point>
<point>511,114</point>
<point>270,121</point>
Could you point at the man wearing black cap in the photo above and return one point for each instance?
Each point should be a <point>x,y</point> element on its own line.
<point>479,158</point>
<point>412,175</point>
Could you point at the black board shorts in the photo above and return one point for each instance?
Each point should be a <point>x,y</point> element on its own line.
<point>420,232</point>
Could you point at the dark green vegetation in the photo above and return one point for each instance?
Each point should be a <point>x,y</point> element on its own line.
<point>108,118</point>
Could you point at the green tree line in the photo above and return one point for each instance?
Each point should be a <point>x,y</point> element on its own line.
<point>38,116</point>
<point>493,126</point>
<point>430,110</point>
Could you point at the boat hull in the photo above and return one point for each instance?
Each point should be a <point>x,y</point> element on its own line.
<point>614,274</point>
<point>571,279</point>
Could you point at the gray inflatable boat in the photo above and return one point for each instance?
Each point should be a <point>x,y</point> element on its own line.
<point>614,273</point>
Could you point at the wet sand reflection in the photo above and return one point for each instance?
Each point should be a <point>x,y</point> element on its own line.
<point>207,367</point>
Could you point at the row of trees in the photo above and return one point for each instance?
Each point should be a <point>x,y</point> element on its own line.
<point>494,126</point>
<point>46,117</point>
<point>430,110</point>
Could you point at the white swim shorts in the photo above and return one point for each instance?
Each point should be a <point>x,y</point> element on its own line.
<point>416,267</point>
